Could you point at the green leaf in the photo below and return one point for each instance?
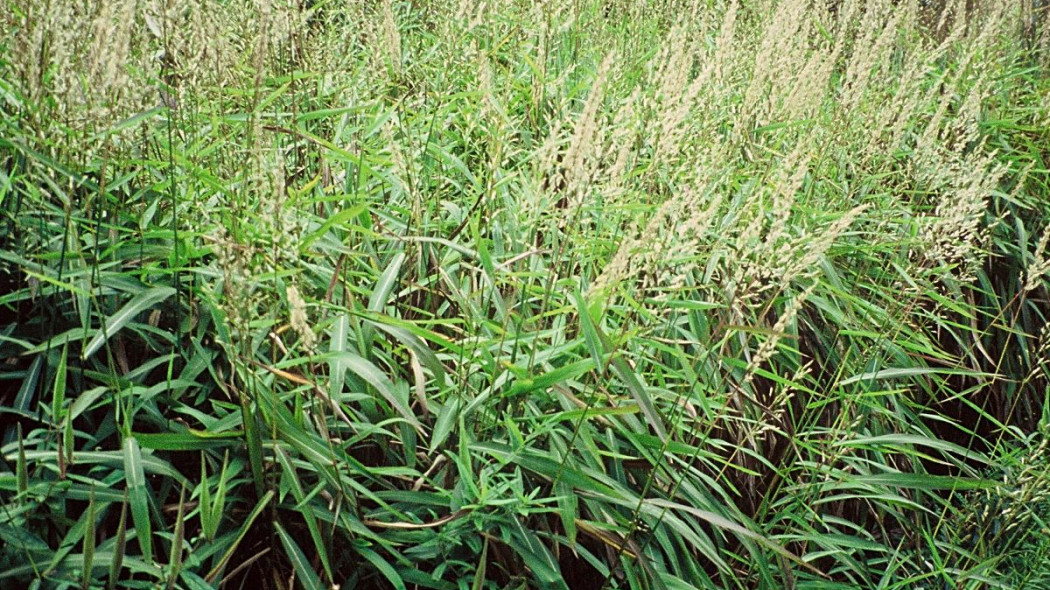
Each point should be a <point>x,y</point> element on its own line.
<point>543,465</point>
<point>58,392</point>
<point>416,345</point>
<point>590,332</point>
<point>263,502</point>
<point>568,509</point>
<point>148,463</point>
<point>922,481</point>
<point>337,219</point>
<point>26,391</point>
<point>384,568</point>
<point>377,379</point>
<point>204,509</point>
<point>603,347</point>
<point>290,474</point>
<point>337,372</point>
<point>119,545</point>
<point>89,544</point>
<point>85,400</point>
<point>253,439</point>
<point>138,496</point>
<point>303,571</point>
<point>905,372</point>
<point>22,467</point>
<point>728,525</point>
<point>446,421</point>
<point>188,441</point>
<point>381,294</point>
<point>534,555</point>
<point>175,555</point>
<point>131,309</point>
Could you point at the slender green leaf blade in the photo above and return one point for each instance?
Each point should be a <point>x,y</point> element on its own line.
<point>117,321</point>
<point>306,575</point>
<point>138,496</point>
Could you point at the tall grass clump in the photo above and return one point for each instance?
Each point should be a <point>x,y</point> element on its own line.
<point>559,294</point>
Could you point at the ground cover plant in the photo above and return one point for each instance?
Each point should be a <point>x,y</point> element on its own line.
<point>556,294</point>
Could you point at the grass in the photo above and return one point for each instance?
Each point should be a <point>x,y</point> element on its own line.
<point>563,294</point>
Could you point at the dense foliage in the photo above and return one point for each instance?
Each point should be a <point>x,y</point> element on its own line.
<point>557,294</point>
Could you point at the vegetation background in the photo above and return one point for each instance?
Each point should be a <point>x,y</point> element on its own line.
<point>514,294</point>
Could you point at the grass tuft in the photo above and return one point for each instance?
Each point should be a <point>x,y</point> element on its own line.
<point>567,294</point>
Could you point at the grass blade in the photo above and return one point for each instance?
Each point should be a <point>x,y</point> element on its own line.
<point>377,379</point>
<point>138,496</point>
<point>58,392</point>
<point>249,521</point>
<point>119,545</point>
<point>89,543</point>
<point>303,571</point>
<point>131,309</point>
<point>604,348</point>
<point>175,556</point>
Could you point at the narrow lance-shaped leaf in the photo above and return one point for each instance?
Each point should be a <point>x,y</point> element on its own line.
<point>300,563</point>
<point>119,545</point>
<point>218,506</point>
<point>117,321</point>
<point>568,508</point>
<point>138,496</point>
<point>389,572</point>
<point>305,510</point>
<point>446,421</point>
<point>175,556</point>
<point>479,571</point>
<point>89,543</point>
<point>377,379</point>
<point>253,438</point>
<point>340,334</point>
<point>22,467</point>
<point>66,453</point>
<point>204,505</point>
<point>385,285</point>
<point>58,392</point>
<point>906,372</point>
<point>416,344</point>
<point>535,555</point>
<point>221,565</point>
<point>26,392</point>
<point>590,333</point>
<point>379,298</point>
<point>621,368</point>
